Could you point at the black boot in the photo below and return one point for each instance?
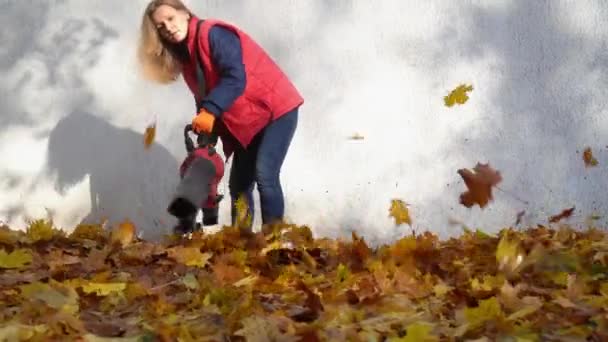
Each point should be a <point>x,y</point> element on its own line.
<point>186,225</point>
<point>210,216</point>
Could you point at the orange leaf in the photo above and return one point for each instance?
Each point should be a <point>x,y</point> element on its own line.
<point>124,234</point>
<point>479,182</point>
<point>149,135</point>
<point>588,158</point>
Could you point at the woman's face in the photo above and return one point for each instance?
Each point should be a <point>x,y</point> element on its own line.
<point>171,23</point>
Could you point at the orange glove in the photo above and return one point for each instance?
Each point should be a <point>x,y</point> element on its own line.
<point>203,122</point>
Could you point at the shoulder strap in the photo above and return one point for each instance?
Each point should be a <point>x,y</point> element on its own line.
<point>200,76</point>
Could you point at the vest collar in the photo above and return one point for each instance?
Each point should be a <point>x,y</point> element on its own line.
<point>190,39</point>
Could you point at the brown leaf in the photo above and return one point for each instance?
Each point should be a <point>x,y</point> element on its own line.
<point>360,252</point>
<point>58,259</point>
<point>313,301</point>
<point>366,291</point>
<point>140,252</point>
<point>103,326</point>
<point>588,158</point>
<point>226,273</point>
<point>149,135</point>
<point>479,183</point>
<point>564,214</point>
<point>96,260</point>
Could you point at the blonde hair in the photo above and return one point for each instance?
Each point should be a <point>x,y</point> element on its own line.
<point>157,61</point>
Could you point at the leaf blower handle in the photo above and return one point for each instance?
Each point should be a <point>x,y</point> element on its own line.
<point>203,139</point>
<point>187,141</point>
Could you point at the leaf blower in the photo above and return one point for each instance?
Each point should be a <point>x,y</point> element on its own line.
<point>200,174</point>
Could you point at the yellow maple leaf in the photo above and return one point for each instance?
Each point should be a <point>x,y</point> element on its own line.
<point>243,217</point>
<point>417,332</point>
<point>87,231</point>
<point>40,230</point>
<point>458,95</point>
<point>487,283</point>
<point>400,212</point>
<point>488,310</point>
<point>16,259</point>
<point>342,272</point>
<point>442,289</point>
<point>508,252</point>
<point>149,135</point>
<point>189,256</point>
<point>103,289</point>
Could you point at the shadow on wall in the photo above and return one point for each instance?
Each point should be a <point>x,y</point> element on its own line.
<point>542,113</point>
<point>126,180</point>
<point>40,59</point>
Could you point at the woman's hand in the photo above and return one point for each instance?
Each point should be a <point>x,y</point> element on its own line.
<point>203,122</point>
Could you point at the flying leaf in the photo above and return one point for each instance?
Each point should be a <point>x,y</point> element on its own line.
<point>124,234</point>
<point>479,182</point>
<point>400,212</point>
<point>520,216</point>
<point>588,158</point>
<point>149,135</point>
<point>16,259</point>
<point>458,95</point>
<point>562,215</point>
<point>243,215</point>
<point>508,252</point>
<point>356,136</point>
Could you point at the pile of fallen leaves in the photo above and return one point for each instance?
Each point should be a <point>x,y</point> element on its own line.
<point>95,284</point>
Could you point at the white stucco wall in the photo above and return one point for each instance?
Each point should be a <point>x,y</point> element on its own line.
<point>73,110</point>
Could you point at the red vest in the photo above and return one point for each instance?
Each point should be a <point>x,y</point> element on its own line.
<point>268,93</point>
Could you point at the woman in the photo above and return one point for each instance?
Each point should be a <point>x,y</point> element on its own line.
<point>241,95</point>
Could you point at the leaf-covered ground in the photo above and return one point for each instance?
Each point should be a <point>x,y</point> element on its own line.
<point>92,285</point>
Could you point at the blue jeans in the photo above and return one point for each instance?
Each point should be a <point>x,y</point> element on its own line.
<point>261,163</point>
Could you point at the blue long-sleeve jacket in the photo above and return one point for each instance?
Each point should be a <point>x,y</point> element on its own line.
<point>226,55</point>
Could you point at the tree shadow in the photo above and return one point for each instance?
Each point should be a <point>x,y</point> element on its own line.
<point>126,180</point>
<point>44,57</point>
